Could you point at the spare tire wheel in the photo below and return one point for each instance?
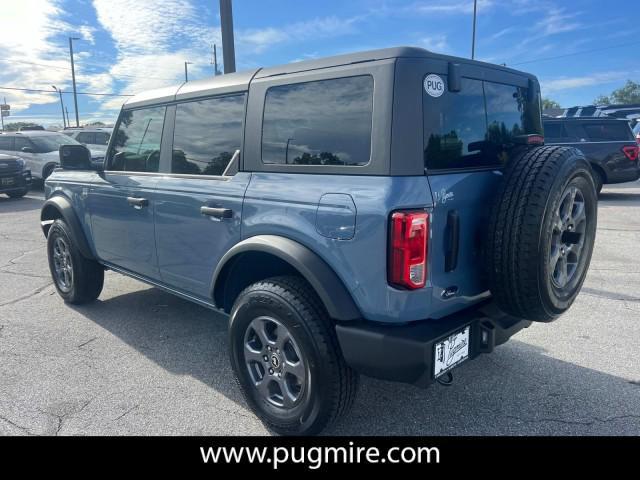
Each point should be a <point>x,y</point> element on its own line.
<point>541,232</point>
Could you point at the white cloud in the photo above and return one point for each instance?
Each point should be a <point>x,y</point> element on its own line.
<point>259,40</point>
<point>549,86</point>
<point>448,7</point>
<point>29,53</point>
<point>435,43</point>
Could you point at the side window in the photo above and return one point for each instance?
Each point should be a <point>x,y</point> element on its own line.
<point>206,135</point>
<point>554,132</point>
<point>84,137</point>
<point>137,141</point>
<point>325,122</point>
<point>22,142</point>
<point>455,127</point>
<point>6,143</point>
<point>102,138</point>
<point>607,131</point>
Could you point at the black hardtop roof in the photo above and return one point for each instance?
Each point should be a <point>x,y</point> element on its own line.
<point>237,82</point>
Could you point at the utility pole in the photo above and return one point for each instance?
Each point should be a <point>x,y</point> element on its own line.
<point>67,110</point>
<point>64,123</point>
<point>473,39</point>
<point>226,26</point>
<point>214,61</point>
<point>186,73</point>
<point>73,77</point>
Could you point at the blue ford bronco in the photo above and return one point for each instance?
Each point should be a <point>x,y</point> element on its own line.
<point>392,213</point>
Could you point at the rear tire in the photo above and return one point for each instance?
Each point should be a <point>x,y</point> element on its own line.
<point>281,334</point>
<point>598,180</point>
<point>77,279</point>
<point>541,232</point>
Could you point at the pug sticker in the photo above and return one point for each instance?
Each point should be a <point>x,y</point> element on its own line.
<point>434,85</point>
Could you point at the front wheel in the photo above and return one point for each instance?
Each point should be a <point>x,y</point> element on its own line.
<point>77,279</point>
<point>286,357</point>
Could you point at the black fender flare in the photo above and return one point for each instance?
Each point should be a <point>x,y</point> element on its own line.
<point>326,283</point>
<point>60,207</point>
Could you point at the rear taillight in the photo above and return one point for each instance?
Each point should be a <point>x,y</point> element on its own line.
<point>631,152</point>
<point>638,138</point>
<point>408,249</point>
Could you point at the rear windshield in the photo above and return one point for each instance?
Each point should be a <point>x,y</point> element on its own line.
<point>475,127</point>
<point>576,131</point>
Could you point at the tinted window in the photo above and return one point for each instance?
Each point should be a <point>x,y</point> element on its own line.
<point>476,126</point>
<point>555,132</point>
<point>102,138</point>
<point>21,143</point>
<point>49,143</point>
<point>326,122</point>
<point>6,143</point>
<point>84,137</point>
<point>607,131</point>
<point>206,135</point>
<point>136,147</point>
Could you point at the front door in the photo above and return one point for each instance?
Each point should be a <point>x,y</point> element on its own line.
<point>198,209</point>
<point>122,202</point>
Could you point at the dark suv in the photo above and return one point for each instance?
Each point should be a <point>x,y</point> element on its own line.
<point>392,213</point>
<point>15,177</point>
<point>608,144</point>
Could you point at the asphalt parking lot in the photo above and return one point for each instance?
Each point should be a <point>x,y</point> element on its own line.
<point>140,361</point>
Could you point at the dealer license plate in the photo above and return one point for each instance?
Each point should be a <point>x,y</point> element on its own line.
<point>451,352</point>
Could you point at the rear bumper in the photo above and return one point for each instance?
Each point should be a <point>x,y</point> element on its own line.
<point>406,353</point>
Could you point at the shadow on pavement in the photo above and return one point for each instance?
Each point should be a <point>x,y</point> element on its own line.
<point>517,390</point>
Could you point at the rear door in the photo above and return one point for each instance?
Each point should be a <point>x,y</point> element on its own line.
<point>199,201</point>
<point>468,137</point>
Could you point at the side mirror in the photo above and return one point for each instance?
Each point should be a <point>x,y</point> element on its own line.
<point>27,150</point>
<point>75,157</point>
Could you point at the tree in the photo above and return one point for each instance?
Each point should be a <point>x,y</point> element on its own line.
<point>547,103</point>
<point>96,124</point>
<point>629,93</point>
<point>15,126</point>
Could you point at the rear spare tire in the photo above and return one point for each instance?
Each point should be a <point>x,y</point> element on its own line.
<point>541,232</point>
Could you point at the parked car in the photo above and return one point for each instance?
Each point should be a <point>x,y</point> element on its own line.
<point>38,148</point>
<point>608,144</point>
<point>95,138</point>
<point>392,213</point>
<point>636,132</point>
<point>15,177</point>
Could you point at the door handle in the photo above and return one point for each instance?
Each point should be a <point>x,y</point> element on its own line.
<point>137,202</point>
<point>216,212</point>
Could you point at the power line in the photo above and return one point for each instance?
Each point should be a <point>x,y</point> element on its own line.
<point>583,52</point>
<point>35,90</point>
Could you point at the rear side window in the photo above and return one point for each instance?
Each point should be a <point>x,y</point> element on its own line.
<point>85,137</point>
<point>206,135</point>
<point>6,143</point>
<point>475,127</point>
<point>325,122</point>
<point>555,132</point>
<point>607,131</point>
<point>136,146</point>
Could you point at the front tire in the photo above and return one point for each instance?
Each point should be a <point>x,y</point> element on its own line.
<point>77,279</point>
<point>18,194</point>
<point>285,354</point>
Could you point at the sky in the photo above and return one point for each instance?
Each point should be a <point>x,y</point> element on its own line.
<point>128,46</point>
